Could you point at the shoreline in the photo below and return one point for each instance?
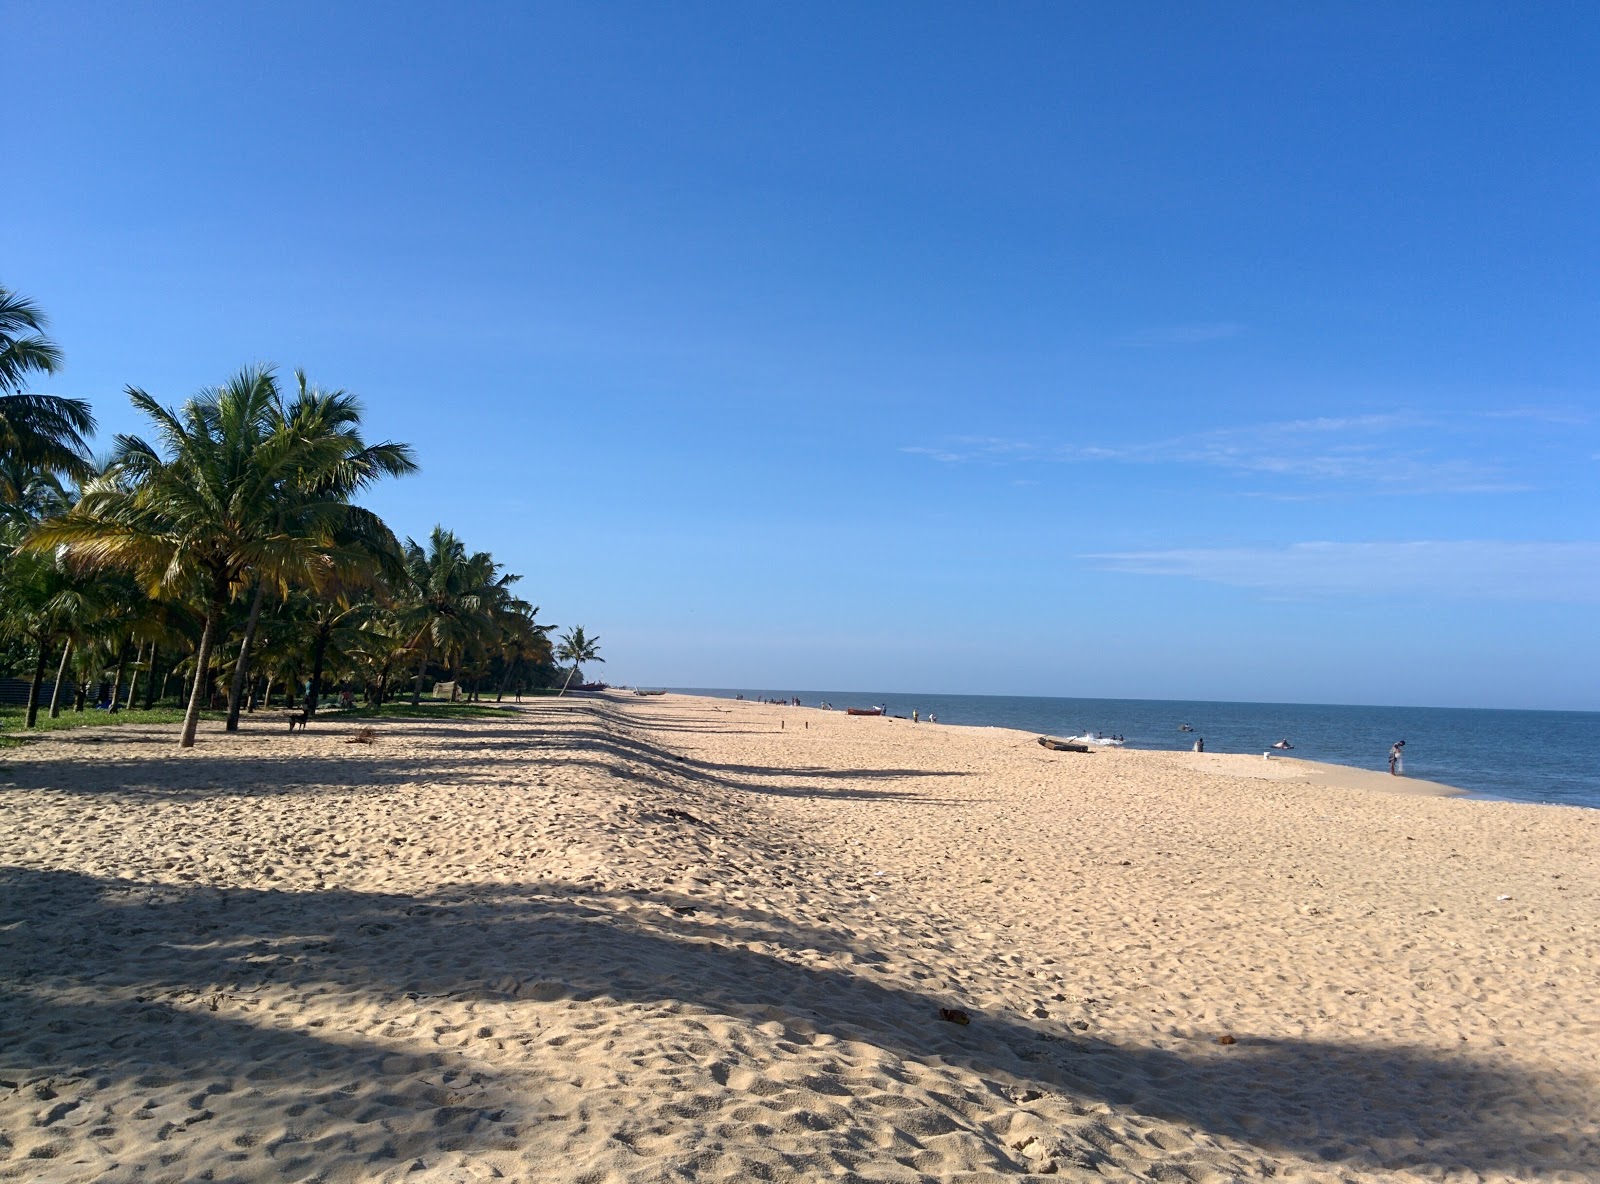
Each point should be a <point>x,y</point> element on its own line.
<point>1276,767</point>
<point>624,939</point>
<point>1319,772</point>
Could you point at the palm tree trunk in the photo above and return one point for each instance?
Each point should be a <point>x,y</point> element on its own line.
<point>416,687</point>
<point>241,669</point>
<point>133,679</point>
<point>455,679</point>
<point>202,663</point>
<point>61,672</point>
<point>319,651</point>
<point>151,688</point>
<point>266,698</point>
<point>116,679</point>
<point>568,683</point>
<point>38,681</point>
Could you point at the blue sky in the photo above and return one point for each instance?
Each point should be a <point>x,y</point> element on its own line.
<point>1210,351</point>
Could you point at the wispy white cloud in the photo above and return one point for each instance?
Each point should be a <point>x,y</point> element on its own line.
<point>1387,453</point>
<point>1480,570</point>
<point>977,449</point>
<point>1193,334</point>
<point>1566,417</point>
<point>1391,453</point>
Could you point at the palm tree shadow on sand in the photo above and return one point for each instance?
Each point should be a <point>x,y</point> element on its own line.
<point>151,956</point>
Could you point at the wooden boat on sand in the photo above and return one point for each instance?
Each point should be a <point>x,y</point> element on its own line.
<point>1058,745</point>
<point>863,711</point>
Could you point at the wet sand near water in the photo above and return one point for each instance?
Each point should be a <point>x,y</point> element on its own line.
<point>1315,774</point>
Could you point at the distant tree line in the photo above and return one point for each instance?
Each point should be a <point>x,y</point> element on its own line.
<point>224,561</point>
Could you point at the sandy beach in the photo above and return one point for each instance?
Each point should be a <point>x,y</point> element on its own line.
<point>670,938</point>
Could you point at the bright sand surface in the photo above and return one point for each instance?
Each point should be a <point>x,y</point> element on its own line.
<point>687,939</point>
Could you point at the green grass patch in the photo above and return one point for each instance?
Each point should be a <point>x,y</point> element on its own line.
<point>12,733</point>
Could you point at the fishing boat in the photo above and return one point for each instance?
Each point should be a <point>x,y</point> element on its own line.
<point>1056,744</point>
<point>863,711</point>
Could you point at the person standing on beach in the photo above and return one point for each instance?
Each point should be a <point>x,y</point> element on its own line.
<point>1397,764</point>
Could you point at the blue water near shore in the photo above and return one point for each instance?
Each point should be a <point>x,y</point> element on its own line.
<point>1524,756</point>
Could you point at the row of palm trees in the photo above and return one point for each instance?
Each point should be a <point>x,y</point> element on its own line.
<point>229,545</point>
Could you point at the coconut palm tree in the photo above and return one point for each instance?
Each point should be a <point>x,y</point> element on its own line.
<point>520,636</point>
<point>360,548</point>
<point>39,597</point>
<point>451,600</point>
<point>24,349</point>
<point>380,644</point>
<point>577,648</point>
<point>428,607</point>
<point>337,617</point>
<point>45,433</point>
<point>230,498</point>
<point>26,493</point>
<point>95,616</point>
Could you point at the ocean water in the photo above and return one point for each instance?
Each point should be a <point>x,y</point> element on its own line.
<point>1524,756</point>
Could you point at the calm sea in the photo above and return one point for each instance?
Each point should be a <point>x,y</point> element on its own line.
<point>1524,756</point>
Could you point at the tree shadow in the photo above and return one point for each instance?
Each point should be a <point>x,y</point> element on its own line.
<point>591,729</point>
<point>151,778</point>
<point>575,738</point>
<point>1388,1105</point>
<point>745,778</point>
<point>128,778</point>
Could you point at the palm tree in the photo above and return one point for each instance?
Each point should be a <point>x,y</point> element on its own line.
<point>38,599</point>
<point>26,493</point>
<point>279,651</point>
<point>380,643</point>
<point>233,499</point>
<point>23,346</point>
<point>452,599</point>
<point>577,649</point>
<point>521,635</point>
<point>360,547</point>
<point>428,609</point>
<point>336,616</point>
<point>45,433</point>
<point>93,615</point>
